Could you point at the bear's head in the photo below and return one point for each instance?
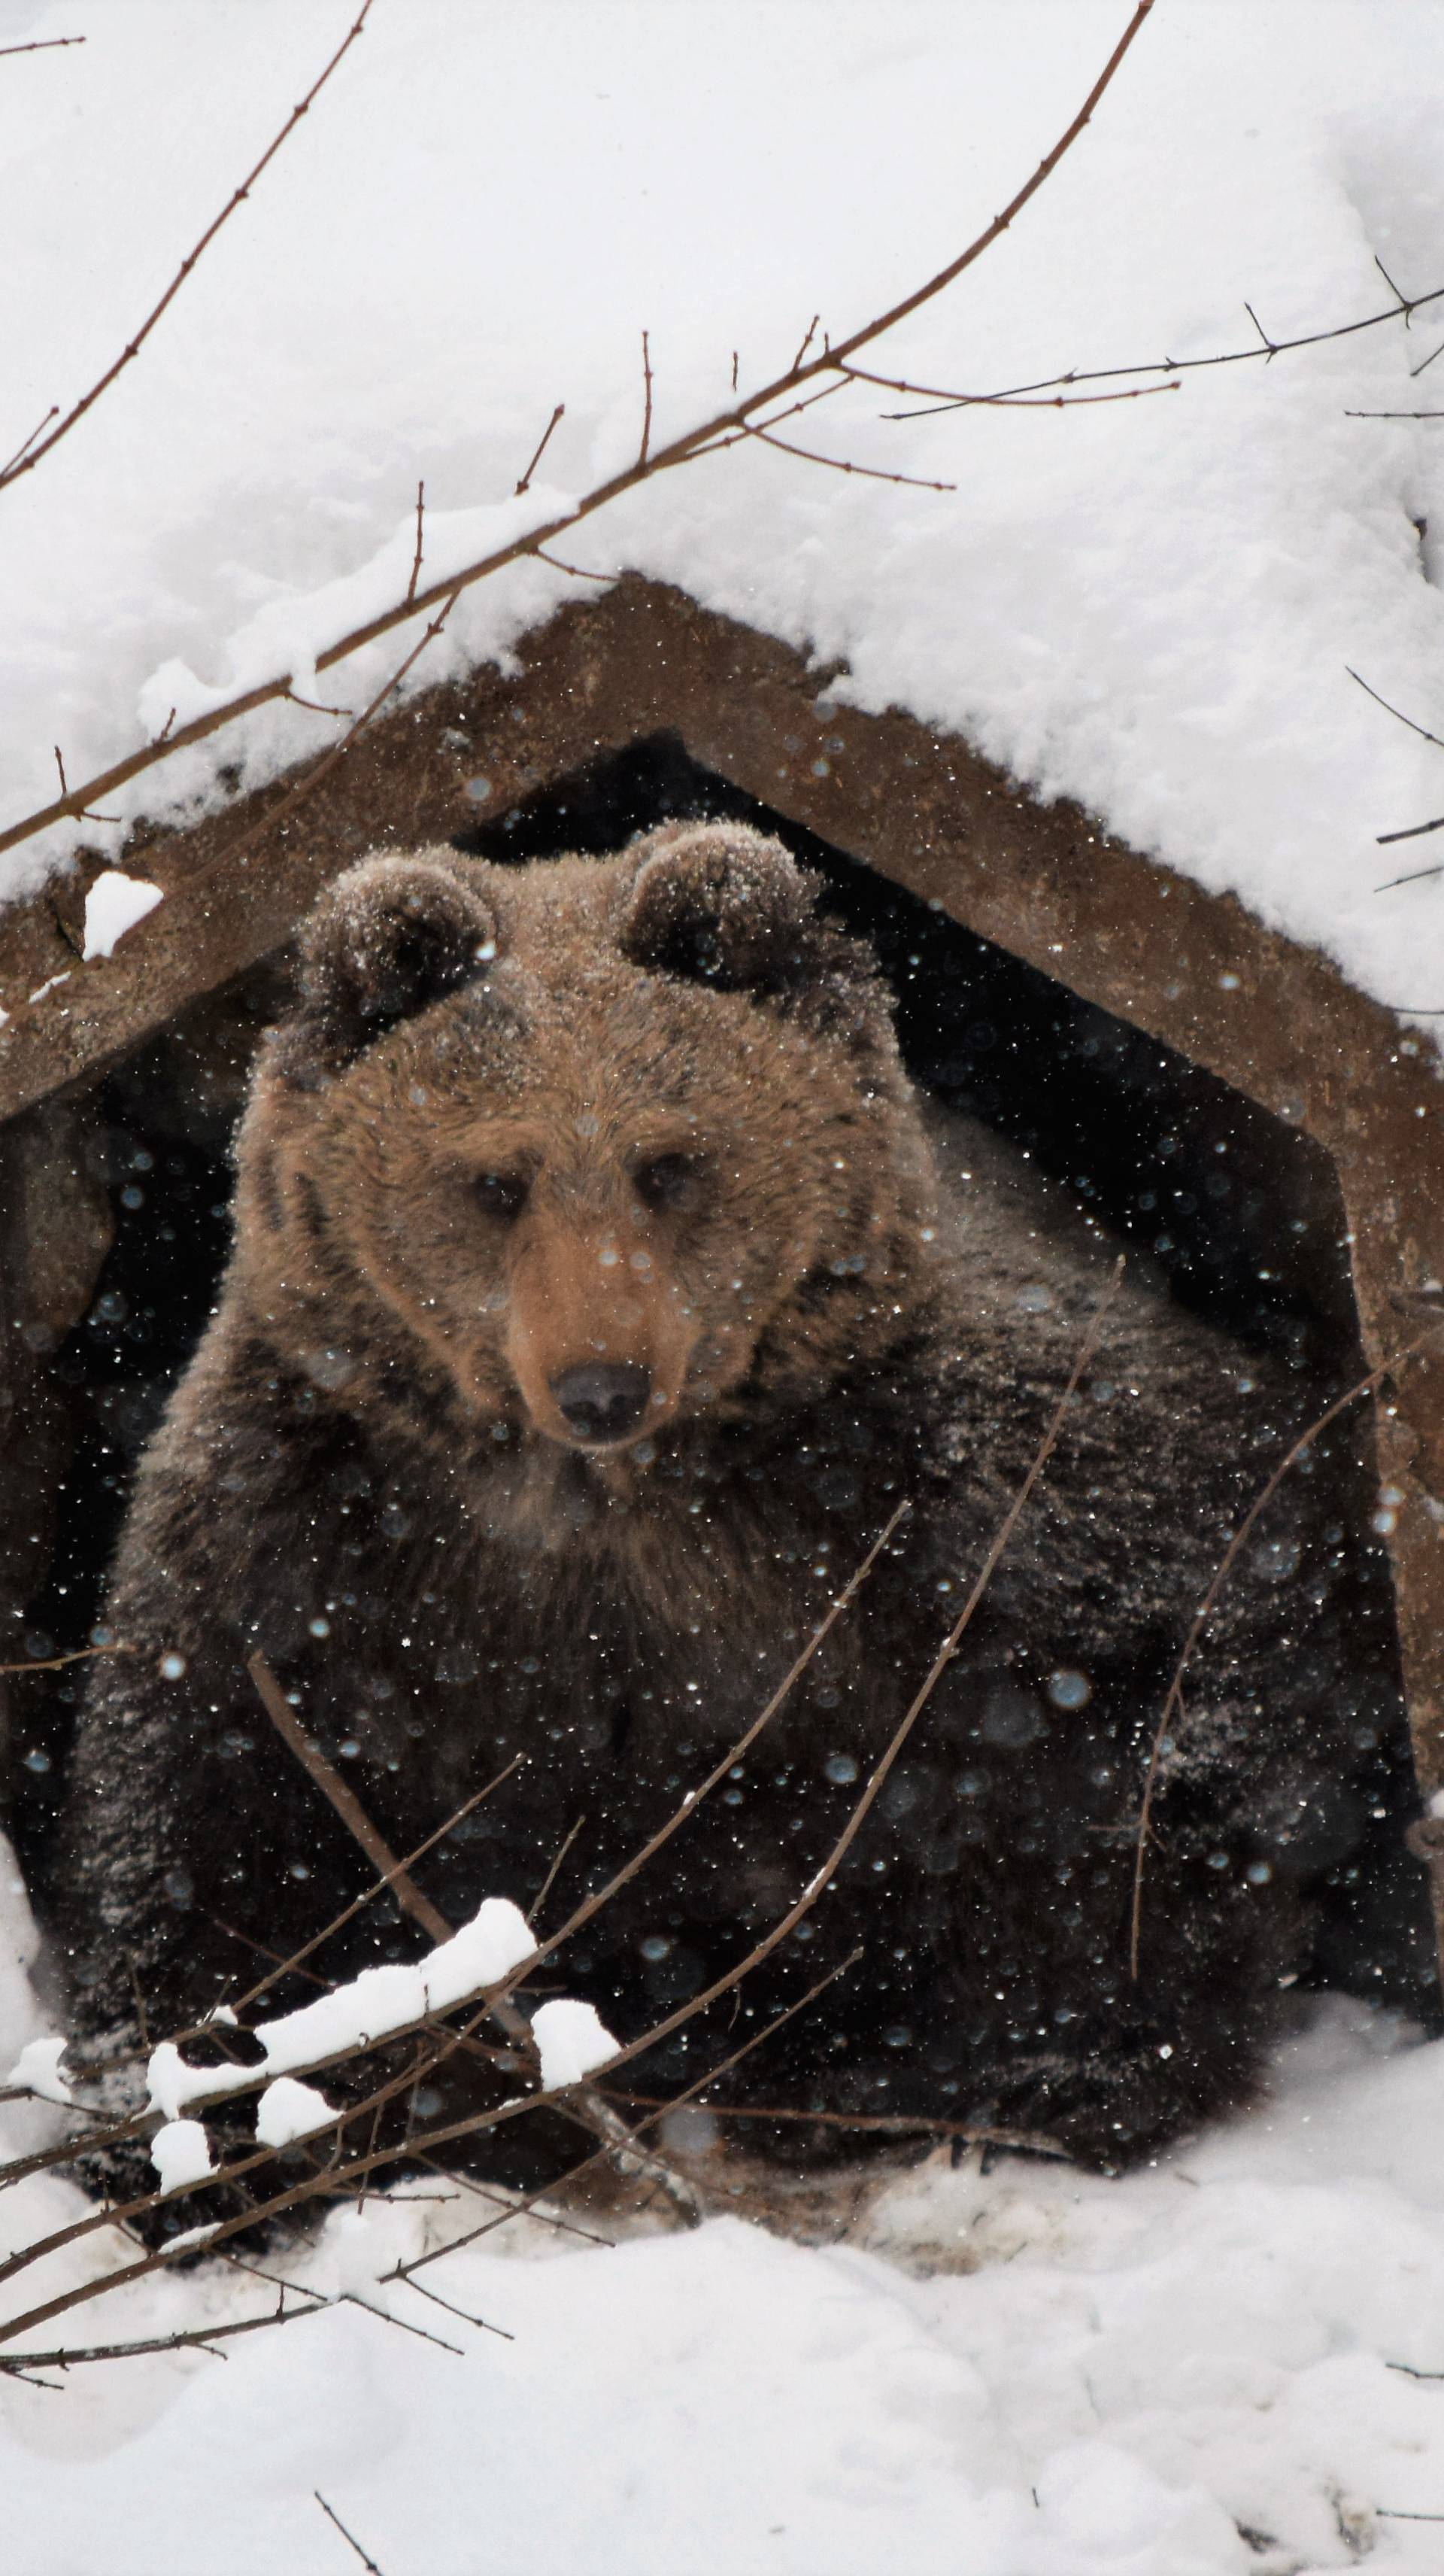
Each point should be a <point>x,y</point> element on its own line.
<point>606,1144</point>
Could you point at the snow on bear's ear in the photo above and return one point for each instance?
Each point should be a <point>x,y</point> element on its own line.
<point>718,904</point>
<point>388,938</point>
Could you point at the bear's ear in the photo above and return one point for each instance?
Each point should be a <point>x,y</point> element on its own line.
<point>718,904</point>
<point>391,936</point>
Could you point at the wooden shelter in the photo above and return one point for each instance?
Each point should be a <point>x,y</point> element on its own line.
<point>644,665</point>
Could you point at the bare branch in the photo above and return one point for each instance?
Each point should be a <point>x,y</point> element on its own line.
<point>84,813</point>
<point>947,398</point>
<point>1397,712</point>
<point>313,706</point>
<point>77,1655</point>
<point>647,401</point>
<point>69,2357</point>
<point>900,2124</point>
<point>483,2323</point>
<point>525,484</point>
<point>874,473</point>
<point>529,2202</point>
<point>27,443</point>
<point>304,786</point>
<point>578,572</point>
<point>1396,291</point>
<point>41,45</point>
<point>24,462</point>
<point>345,1801</point>
<point>544,1891</point>
<point>366,2560</point>
<point>416,558</point>
<point>679,451</point>
<point>1415,832</point>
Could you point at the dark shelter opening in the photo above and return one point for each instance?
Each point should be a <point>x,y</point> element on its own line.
<point>1216,1202</point>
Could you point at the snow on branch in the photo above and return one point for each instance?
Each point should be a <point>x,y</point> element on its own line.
<point>825,368</point>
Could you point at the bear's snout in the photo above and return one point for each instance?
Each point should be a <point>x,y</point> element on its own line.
<point>598,1336</point>
<point>603,1401</point>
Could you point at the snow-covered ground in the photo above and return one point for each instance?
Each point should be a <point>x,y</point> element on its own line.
<point>1147,605</point>
<point>1202,2370</point>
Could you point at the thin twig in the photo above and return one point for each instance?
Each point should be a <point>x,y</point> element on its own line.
<point>69,2357</point>
<point>403,2325</point>
<point>364,2555</point>
<point>945,398</point>
<point>884,2123</point>
<point>303,787</point>
<point>416,558</point>
<point>41,45</point>
<point>840,465</point>
<point>345,1801</point>
<point>1415,876</point>
<point>27,443</point>
<point>1396,712</point>
<point>544,1891</point>
<point>1048,402</point>
<point>679,451</point>
<point>23,463</point>
<point>525,484</point>
<point>313,706</point>
<point>77,1655</point>
<point>467,2319</point>
<point>647,400</point>
<point>83,812</point>
<point>1173,1702</point>
<point>578,572</point>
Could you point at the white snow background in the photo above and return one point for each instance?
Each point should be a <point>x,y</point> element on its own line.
<point>1147,605</point>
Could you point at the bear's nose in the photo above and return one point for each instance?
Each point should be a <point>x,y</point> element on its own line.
<point>604,1399</point>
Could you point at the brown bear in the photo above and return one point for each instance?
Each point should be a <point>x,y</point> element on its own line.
<point>598,1291</point>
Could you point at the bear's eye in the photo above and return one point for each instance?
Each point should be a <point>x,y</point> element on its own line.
<point>668,1181</point>
<point>502,1194</point>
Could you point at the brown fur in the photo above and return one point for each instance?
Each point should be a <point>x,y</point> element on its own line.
<point>647,1114</point>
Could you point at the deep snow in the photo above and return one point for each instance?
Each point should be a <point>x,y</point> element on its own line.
<point>1032,2373</point>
